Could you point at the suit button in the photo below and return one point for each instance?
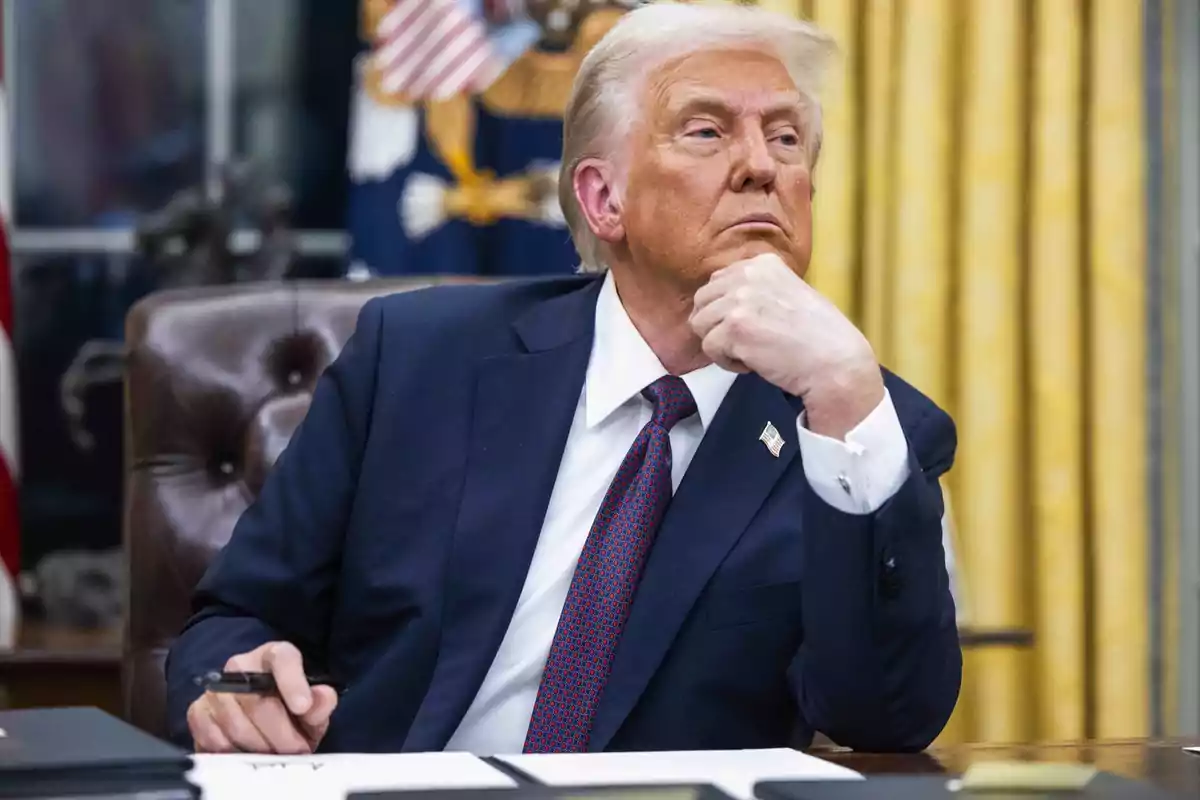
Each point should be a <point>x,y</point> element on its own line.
<point>889,578</point>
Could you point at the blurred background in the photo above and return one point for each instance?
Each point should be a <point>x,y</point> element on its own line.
<point>1008,203</point>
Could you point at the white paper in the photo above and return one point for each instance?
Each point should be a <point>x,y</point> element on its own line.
<point>321,777</point>
<point>733,771</point>
<point>1195,750</point>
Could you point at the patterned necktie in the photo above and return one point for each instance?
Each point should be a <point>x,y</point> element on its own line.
<point>606,578</point>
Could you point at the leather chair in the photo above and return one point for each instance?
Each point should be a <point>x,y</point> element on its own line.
<point>217,379</point>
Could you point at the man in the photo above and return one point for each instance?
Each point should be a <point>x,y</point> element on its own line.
<point>671,504</point>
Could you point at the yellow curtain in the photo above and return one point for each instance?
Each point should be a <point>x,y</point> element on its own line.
<point>980,212</point>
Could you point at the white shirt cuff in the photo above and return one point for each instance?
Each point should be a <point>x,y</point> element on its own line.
<point>859,475</point>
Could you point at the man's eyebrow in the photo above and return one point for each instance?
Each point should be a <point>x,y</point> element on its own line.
<point>790,108</point>
<point>703,104</point>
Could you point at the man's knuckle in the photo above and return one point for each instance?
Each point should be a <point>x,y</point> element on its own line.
<point>321,710</point>
<point>293,743</point>
<point>240,730</point>
<point>195,715</point>
<point>284,653</point>
<point>209,739</point>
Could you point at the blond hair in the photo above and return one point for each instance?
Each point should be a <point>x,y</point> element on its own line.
<point>610,79</point>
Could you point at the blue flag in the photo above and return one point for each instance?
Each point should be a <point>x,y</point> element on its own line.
<point>454,160</point>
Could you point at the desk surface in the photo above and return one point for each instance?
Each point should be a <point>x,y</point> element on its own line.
<point>1162,763</point>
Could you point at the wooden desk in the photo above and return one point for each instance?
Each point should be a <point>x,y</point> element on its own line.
<point>1162,763</point>
<point>57,666</point>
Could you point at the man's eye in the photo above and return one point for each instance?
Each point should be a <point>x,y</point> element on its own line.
<point>704,133</point>
<point>788,139</point>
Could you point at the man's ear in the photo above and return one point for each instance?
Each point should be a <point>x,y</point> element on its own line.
<point>596,193</point>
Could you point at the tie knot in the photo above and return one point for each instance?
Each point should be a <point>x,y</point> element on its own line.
<point>671,399</point>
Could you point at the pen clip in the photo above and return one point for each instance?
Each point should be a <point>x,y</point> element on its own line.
<point>236,682</point>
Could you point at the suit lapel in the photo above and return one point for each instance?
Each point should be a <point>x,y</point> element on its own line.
<point>523,407</point>
<point>727,482</point>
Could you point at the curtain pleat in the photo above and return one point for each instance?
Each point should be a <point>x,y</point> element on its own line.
<point>918,338</point>
<point>879,157</point>
<point>835,230</point>
<point>988,325</point>
<point>1117,369</point>
<point>1055,288</point>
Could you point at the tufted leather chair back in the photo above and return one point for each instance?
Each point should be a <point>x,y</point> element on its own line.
<point>216,382</point>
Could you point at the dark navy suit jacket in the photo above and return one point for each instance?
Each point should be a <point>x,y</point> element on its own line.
<point>391,541</point>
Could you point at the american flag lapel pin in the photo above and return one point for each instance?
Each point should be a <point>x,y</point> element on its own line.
<point>771,438</point>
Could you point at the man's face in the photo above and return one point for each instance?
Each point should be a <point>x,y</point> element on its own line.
<point>717,168</point>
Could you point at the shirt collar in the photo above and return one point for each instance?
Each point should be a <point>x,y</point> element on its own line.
<point>622,364</point>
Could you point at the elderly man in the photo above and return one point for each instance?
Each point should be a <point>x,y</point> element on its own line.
<point>672,503</point>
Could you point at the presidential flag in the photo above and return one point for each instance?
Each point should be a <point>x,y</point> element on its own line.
<point>456,133</point>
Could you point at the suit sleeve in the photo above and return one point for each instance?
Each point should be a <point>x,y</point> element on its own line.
<point>880,666</point>
<point>275,579</point>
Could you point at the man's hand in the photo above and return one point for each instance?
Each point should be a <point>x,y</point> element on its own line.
<point>292,722</point>
<point>758,315</point>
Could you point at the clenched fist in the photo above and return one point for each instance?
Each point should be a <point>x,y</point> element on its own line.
<point>292,722</point>
<point>759,316</point>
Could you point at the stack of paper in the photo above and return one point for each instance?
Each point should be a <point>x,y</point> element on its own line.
<point>733,771</point>
<point>331,777</point>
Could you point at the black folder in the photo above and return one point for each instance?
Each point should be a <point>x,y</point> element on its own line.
<point>531,791</point>
<point>84,752</point>
<point>934,787</point>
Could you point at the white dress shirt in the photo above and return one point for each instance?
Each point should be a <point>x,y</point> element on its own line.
<point>855,476</point>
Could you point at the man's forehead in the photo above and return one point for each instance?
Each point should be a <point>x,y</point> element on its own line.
<point>748,98</point>
<point>734,78</point>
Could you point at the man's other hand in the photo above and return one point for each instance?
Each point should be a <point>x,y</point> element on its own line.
<point>291,722</point>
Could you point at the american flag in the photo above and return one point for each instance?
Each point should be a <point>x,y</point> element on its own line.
<point>9,464</point>
<point>433,49</point>
<point>771,438</point>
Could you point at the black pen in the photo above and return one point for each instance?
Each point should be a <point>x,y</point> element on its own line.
<point>251,682</point>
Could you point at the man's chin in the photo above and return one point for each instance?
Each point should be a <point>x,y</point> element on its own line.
<point>744,251</point>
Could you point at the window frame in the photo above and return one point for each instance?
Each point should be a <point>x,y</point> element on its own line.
<point>219,80</point>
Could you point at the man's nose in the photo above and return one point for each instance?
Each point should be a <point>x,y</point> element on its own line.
<point>754,167</point>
